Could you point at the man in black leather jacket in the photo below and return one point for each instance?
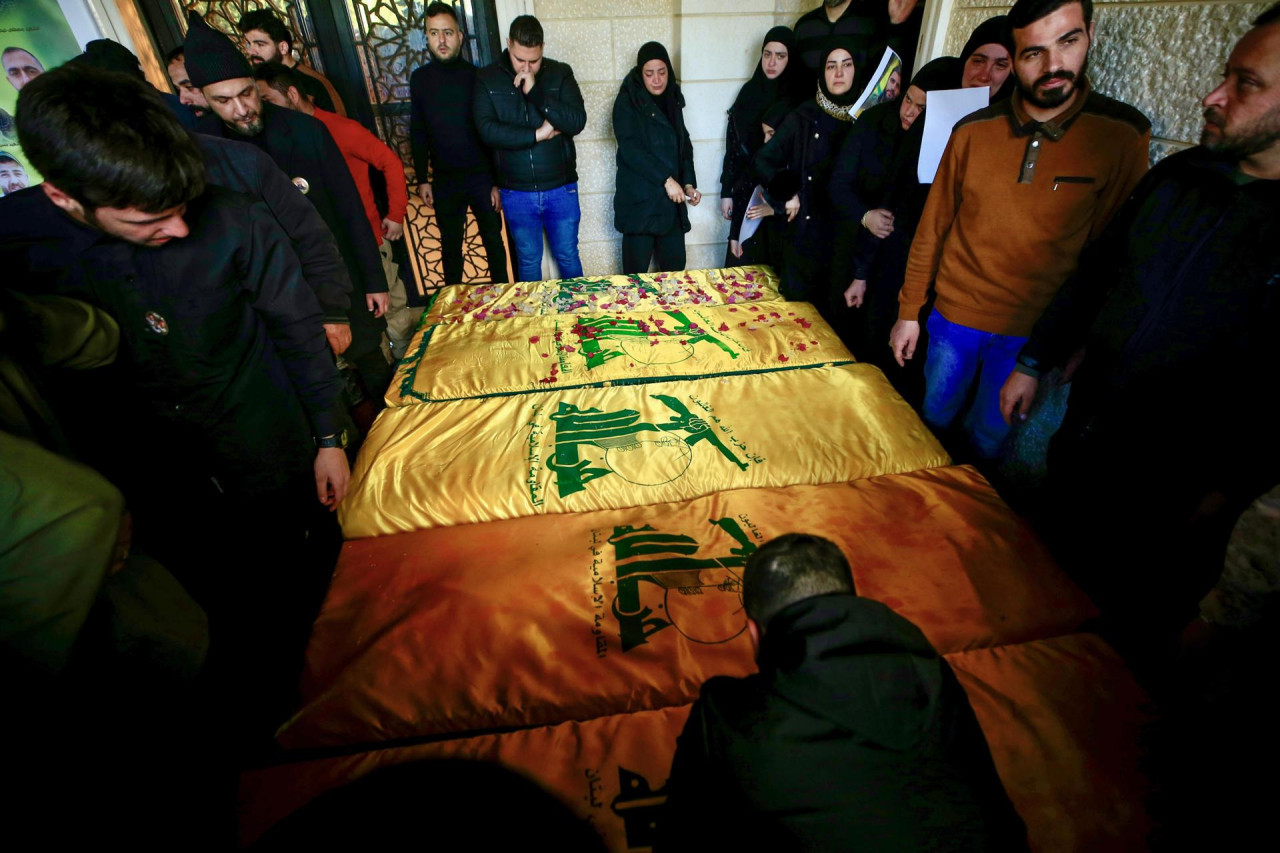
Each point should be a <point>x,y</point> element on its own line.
<point>528,109</point>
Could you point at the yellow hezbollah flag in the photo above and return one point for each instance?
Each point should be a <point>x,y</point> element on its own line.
<point>523,354</point>
<point>605,448</point>
<point>1062,716</point>
<point>531,621</point>
<point>636,292</point>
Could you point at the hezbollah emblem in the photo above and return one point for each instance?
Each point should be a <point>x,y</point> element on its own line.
<point>156,323</point>
<point>302,184</point>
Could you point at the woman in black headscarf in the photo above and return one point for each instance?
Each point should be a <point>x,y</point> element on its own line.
<point>655,164</point>
<point>776,81</point>
<point>876,190</point>
<point>794,167</point>
<point>863,178</point>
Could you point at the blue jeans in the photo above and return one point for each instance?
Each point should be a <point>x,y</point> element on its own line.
<point>557,211</point>
<point>957,356</point>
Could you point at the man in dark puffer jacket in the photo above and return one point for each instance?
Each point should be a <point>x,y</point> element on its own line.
<point>528,109</point>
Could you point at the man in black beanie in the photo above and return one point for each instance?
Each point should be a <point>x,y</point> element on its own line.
<point>304,150</point>
<point>108,55</point>
<point>454,170</point>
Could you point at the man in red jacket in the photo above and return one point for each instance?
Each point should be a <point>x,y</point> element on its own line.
<point>361,150</point>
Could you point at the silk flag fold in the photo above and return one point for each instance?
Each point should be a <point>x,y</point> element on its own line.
<point>585,449</point>
<point>533,354</point>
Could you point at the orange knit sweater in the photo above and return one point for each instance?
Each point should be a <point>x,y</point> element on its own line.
<point>1012,205</point>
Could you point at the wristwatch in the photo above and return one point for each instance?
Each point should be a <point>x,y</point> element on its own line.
<point>338,439</point>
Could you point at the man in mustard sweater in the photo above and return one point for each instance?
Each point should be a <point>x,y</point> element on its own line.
<point>1022,187</point>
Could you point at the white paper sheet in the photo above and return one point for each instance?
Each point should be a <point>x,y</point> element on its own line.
<point>748,228</point>
<point>942,110</point>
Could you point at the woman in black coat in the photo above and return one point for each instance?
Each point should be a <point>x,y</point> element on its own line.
<point>655,165</point>
<point>794,168</point>
<point>775,81</point>
<point>875,193</point>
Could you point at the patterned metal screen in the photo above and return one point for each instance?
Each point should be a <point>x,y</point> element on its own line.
<point>391,40</point>
<point>223,15</point>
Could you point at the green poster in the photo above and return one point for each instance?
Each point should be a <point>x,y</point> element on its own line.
<point>34,37</point>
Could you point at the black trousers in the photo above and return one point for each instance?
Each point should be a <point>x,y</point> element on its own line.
<point>451,215</point>
<point>639,249</point>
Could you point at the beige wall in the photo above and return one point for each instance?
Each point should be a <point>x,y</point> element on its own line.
<point>1161,57</point>
<point>714,45</point>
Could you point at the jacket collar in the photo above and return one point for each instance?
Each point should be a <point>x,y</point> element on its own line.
<point>1055,129</point>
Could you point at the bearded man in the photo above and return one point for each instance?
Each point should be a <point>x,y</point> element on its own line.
<point>1171,318</point>
<point>1023,185</point>
<point>454,169</point>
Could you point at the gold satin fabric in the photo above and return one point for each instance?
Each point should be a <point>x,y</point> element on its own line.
<point>648,292</point>
<point>1061,715</point>
<point>586,449</point>
<point>530,354</point>
<point>536,620</point>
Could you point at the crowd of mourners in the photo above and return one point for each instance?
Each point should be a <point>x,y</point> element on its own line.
<point>196,329</point>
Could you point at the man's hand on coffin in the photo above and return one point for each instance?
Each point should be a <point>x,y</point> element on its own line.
<point>332,474</point>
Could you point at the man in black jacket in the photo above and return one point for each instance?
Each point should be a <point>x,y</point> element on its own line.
<point>1175,310</point>
<point>453,168</point>
<point>528,109</point>
<point>854,735</point>
<point>302,147</point>
<point>226,416</point>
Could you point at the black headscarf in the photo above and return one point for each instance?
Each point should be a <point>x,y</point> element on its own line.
<point>669,100</point>
<point>760,93</point>
<point>940,73</point>
<point>775,114</point>
<point>991,31</point>
<point>848,98</point>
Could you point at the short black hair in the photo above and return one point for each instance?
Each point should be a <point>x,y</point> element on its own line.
<point>266,20</point>
<point>1268,17</point>
<point>526,31</point>
<point>1026,12</point>
<point>13,48</point>
<point>178,53</point>
<point>107,140</point>
<point>439,8</point>
<point>280,77</point>
<point>792,568</point>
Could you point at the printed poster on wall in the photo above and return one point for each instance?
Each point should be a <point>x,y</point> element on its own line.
<point>34,37</point>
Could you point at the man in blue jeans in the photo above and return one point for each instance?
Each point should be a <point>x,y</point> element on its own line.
<point>1023,186</point>
<point>527,110</point>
